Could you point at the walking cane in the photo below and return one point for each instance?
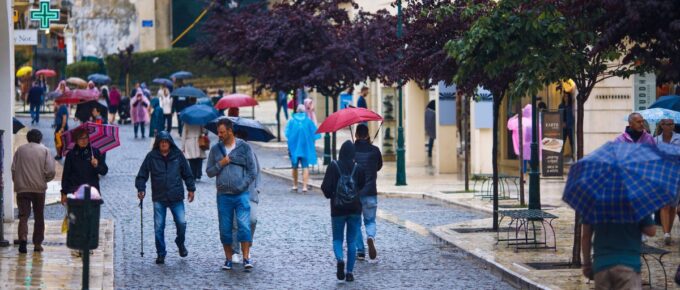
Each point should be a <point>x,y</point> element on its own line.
<point>141,226</point>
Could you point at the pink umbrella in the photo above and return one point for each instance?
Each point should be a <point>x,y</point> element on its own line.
<point>103,137</point>
<point>235,101</point>
<point>46,72</point>
<point>84,95</point>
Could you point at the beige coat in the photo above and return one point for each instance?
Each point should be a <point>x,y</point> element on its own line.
<point>190,142</point>
<point>32,168</point>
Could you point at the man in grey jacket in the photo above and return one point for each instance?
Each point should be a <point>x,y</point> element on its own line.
<point>32,169</point>
<point>231,161</point>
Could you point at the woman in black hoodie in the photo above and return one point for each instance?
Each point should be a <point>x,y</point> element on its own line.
<point>342,183</point>
<point>84,164</point>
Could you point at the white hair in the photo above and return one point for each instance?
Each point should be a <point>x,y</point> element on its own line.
<point>300,108</point>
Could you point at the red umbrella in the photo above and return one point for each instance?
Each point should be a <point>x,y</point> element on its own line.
<point>84,95</point>
<point>347,117</point>
<point>235,101</point>
<point>65,99</point>
<point>102,137</point>
<point>46,72</point>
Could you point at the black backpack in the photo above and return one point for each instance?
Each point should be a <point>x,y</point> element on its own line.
<point>345,191</point>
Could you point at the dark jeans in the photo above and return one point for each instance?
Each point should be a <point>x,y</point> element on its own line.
<point>348,225</point>
<point>568,133</point>
<point>282,105</point>
<point>159,212</point>
<point>34,110</point>
<point>196,166</point>
<point>168,122</point>
<point>24,201</point>
<point>137,125</point>
<point>180,125</point>
<point>430,143</point>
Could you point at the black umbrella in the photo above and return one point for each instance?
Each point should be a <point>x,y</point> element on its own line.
<point>254,130</point>
<point>16,125</point>
<point>84,110</point>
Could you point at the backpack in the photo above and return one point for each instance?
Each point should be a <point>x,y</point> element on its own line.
<point>345,191</point>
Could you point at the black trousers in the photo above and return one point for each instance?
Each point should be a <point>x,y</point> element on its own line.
<point>196,167</point>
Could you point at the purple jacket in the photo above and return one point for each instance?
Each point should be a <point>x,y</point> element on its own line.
<point>646,138</point>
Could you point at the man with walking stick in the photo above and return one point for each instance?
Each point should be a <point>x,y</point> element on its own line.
<point>165,163</point>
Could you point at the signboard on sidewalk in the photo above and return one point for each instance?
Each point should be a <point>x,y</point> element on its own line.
<point>553,161</point>
<point>26,37</point>
<point>644,90</point>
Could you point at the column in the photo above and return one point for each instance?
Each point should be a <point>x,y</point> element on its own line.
<point>445,152</point>
<point>7,104</point>
<point>146,11</point>
<point>415,102</point>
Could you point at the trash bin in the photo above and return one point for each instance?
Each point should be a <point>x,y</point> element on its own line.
<point>83,225</point>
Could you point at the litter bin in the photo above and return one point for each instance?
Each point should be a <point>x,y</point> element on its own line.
<point>83,225</point>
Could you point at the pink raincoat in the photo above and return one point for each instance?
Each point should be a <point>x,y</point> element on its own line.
<point>139,112</point>
<point>309,109</point>
<point>513,125</point>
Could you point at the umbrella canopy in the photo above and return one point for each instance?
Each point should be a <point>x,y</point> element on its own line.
<point>198,115</point>
<point>162,81</point>
<point>667,102</point>
<point>103,137</point>
<point>24,71</point>
<point>84,110</point>
<point>254,130</point>
<point>46,72</point>
<point>180,75</point>
<point>657,114</point>
<point>16,125</point>
<point>623,183</point>
<point>185,92</point>
<point>76,81</point>
<point>347,117</point>
<point>99,79</point>
<point>84,95</point>
<point>235,101</point>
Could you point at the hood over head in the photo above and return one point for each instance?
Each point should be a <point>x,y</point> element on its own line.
<point>347,152</point>
<point>164,135</point>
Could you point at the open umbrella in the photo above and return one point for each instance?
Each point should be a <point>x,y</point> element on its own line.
<point>77,81</point>
<point>84,95</point>
<point>254,130</point>
<point>347,117</point>
<point>180,75</point>
<point>235,101</point>
<point>99,79</point>
<point>48,73</point>
<point>657,114</point>
<point>16,125</point>
<point>162,81</point>
<point>188,91</point>
<point>667,102</point>
<point>198,115</point>
<point>623,183</point>
<point>84,110</point>
<point>103,137</point>
<point>24,71</point>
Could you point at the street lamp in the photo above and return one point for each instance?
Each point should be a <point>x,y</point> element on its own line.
<point>326,142</point>
<point>401,152</point>
<point>534,182</point>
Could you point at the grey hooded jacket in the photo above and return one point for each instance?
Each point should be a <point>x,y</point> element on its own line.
<point>237,176</point>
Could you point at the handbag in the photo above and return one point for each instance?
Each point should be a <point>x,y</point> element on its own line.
<point>204,142</point>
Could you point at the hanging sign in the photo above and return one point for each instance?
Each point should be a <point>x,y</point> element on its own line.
<point>44,14</point>
<point>553,162</point>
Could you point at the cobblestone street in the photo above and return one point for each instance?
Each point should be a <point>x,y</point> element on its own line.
<point>292,247</point>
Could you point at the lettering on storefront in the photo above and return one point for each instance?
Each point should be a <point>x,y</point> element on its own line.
<point>644,91</point>
<point>552,144</point>
<point>26,37</point>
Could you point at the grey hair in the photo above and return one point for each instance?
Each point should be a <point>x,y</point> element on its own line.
<point>632,115</point>
<point>300,108</point>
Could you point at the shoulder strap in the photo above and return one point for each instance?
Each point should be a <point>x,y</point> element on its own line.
<point>335,162</point>
<point>354,169</point>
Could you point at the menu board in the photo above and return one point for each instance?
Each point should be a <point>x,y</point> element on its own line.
<point>552,144</point>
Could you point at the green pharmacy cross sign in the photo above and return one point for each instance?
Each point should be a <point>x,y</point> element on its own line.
<point>44,14</point>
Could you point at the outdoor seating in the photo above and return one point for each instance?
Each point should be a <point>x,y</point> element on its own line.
<point>486,189</point>
<point>656,254</point>
<point>526,232</point>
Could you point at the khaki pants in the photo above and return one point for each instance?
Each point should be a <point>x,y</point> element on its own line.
<point>619,278</point>
<point>24,202</point>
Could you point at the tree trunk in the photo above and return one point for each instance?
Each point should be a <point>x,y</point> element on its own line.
<point>581,100</point>
<point>494,157</point>
<point>466,105</point>
<point>233,82</point>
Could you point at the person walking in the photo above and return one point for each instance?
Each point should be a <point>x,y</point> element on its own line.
<point>342,184</point>
<point>60,126</point>
<point>32,168</point>
<point>139,112</point>
<point>567,109</point>
<point>166,105</point>
<point>168,168</point>
<point>254,202</point>
<point>114,102</point>
<point>35,97</point>
<point>430,126</point>
<point>369,158</point>
<point>635,131</point>
<point>282,104</point>
<point>231,162</point>
<point>361,101</point>
<point>157,123</point>
<point>301,134</point>
<point>667,213</point>
<point>191,149</point>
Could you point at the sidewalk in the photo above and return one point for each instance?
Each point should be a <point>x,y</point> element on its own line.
<point>519,268</point>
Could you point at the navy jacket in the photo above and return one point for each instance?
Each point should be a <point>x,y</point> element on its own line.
<point>330,180</point>
<point>78,169</point>
<point>167,172</point>
<point>370,159</point>
<point>35,95</point>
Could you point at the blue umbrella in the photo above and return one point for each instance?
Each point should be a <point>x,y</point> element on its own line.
<point>623,183</point>
<point>667,102</point>
<point>198,115</point>
<point>162,81</point>
<point>185,92</point>
<point>180,75</point>
<point>99,79</point>
<point>657,114</point>
<point>254,130</point>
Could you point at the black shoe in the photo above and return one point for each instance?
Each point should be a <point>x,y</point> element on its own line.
<point>372,252</point>
<point>22,247</point>
<point>160,260</point>
<point>57,158</point>
<point>183,251</point>
<point>349,277</point>
<point>341,271</point>
<point>361,256</point>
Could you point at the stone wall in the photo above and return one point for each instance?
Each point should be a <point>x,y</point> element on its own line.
<point>104,26</point>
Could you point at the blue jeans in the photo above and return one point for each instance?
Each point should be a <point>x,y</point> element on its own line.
<point>235,245</point>
<point>34,110</point>
<point>159,212</point>
<point>353,223</point>
<point>369,205</point>
<point>227,204</point>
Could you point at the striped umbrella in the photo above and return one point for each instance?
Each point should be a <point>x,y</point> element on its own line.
<point>103,137</point>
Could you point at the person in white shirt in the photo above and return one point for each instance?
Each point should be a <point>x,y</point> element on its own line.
<point>166,105</point>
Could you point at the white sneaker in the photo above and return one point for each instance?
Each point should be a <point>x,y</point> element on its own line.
<point>667,239</point>
<point>236,259</point>
<point>644,238</point>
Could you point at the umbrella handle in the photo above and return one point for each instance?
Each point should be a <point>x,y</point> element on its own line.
<point>377,132</point>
